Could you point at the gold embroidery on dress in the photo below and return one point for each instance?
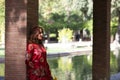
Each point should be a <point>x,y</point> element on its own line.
<point>41,59</point>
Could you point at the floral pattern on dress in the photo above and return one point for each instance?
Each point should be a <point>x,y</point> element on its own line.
<point>37,66</point>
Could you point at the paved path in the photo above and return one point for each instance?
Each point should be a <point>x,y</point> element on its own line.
<point>2,60</point>
<point>115,76</point>
<point>1,78</point>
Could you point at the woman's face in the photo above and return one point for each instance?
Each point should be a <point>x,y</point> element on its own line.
<point>40,35</point>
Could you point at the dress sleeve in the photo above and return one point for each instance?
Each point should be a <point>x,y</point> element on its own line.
<point>29,53</point>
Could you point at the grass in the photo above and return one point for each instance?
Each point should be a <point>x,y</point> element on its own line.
<point>2,53</point>
<point>2,69</point>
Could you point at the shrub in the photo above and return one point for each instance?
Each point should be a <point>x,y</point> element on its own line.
<point>65,35</point>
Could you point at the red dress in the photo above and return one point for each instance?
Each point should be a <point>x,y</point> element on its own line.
<point>37,66</point>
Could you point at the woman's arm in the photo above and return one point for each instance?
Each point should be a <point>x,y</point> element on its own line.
<point>29,55</point>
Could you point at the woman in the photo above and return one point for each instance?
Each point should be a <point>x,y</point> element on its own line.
<point>37,66</point>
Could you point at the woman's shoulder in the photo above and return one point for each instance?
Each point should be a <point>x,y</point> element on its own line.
<point>32,44</point>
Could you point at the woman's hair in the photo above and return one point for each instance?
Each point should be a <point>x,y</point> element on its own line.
<point>33,36</point>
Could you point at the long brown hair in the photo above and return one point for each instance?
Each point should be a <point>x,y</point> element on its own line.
<point>34,34</point>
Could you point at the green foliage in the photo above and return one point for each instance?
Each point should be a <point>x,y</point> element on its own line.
<point>88,25</point>
<point>115,8</point>
<point>2,69</point>
<point>73,14</point>
<point>115,15</point>
<point>114,25</point>
<point>113,63</point>
<point>65,35</point>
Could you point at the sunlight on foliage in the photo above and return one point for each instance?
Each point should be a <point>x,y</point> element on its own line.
<point>65,35</point>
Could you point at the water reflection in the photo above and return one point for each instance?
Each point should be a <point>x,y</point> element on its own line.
<point>72,67</point>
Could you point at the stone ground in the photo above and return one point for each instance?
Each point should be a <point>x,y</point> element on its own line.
<point>115,76</point>
<point>1,78</point>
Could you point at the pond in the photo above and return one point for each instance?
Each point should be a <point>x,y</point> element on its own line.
<point>75,67</point>
<point>72,67</point>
